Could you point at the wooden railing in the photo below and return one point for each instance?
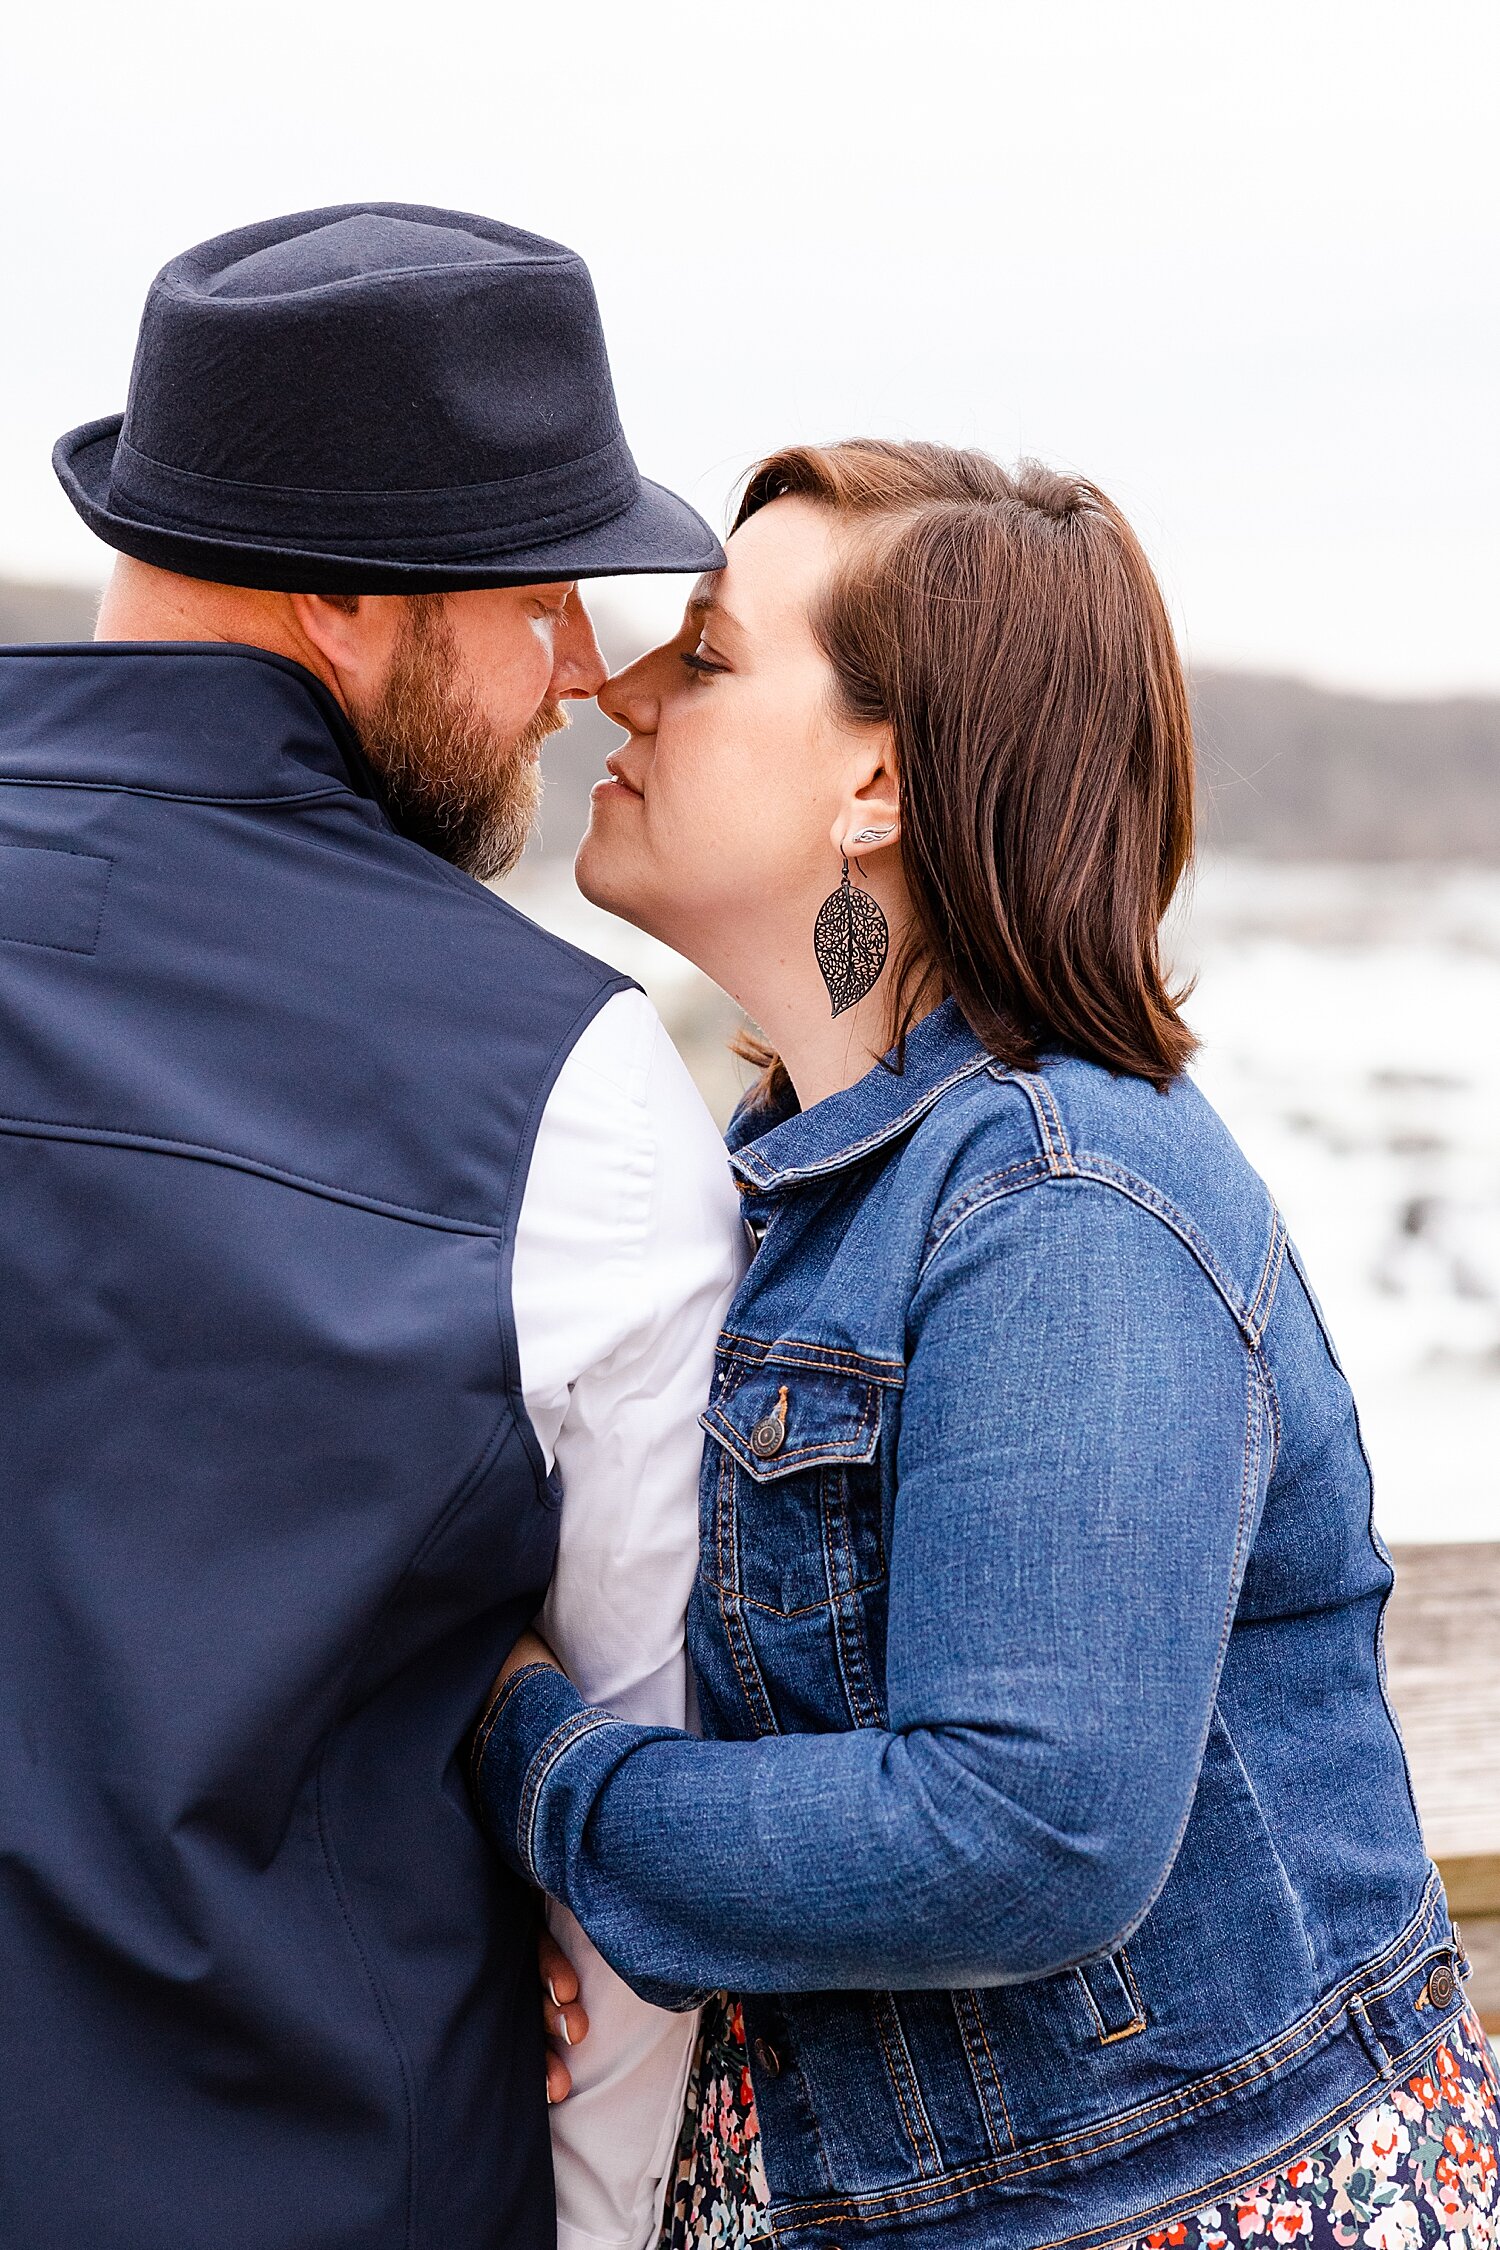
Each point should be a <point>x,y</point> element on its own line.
<point>1443,1653</point>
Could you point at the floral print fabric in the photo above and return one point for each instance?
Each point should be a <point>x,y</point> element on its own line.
<point>718,2197</point>
<point>1416,2170</point>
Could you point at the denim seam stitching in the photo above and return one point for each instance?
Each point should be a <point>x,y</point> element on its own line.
<point>787,1350</point>
<point>848,1632</point>
<point>1261,2062</point>
<point>806,1609</point>
<point>564,1738</point>
<point>947,1218</point>
<point>1100,1173</point>
<point>919,2099</point>
<point>904,2199</point>
<point>1049,1121</point>
<point>757,1703</point>
<point>966,2006</point>
<point>1119,1961</point>
<point>1127,1971</point>
<point>903,2079</point>
<point>1266,1287</point>
<point>493,1709</point>
<point>1273,1408</point>
<point>858,1638</point>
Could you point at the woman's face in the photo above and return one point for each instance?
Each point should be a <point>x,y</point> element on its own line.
<point>719,824</point>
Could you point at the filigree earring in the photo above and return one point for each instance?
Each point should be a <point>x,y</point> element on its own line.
<point>851,936</point>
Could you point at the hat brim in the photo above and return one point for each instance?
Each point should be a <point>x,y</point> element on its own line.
<point>656,532</point>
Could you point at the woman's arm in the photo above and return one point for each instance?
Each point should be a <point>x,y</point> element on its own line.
<point>1076,1478</point>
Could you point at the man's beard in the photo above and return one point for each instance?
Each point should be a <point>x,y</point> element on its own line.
<point>450,781</point>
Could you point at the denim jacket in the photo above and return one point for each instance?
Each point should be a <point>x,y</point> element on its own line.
<point>1054,1822</point>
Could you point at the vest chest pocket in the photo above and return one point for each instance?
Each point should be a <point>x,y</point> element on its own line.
<point>796,1502</point>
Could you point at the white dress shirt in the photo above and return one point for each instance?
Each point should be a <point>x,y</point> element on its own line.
<point>628,1249</point>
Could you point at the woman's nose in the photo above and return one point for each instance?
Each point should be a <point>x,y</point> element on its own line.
<point>630,699</point>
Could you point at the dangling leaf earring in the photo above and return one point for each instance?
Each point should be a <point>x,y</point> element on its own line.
<point>851,936</point>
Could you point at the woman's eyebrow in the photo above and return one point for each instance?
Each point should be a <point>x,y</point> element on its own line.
<point>708,604</point>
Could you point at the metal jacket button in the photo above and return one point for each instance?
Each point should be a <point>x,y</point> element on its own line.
<point>766,2055</point>
<point>1441,1986</point>
<point>769,1435</point>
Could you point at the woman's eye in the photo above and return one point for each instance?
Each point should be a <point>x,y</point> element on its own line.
<point>700,664</point>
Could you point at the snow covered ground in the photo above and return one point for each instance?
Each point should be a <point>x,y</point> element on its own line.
<point>1350,1019</point>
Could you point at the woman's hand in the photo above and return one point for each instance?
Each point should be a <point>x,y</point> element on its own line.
<point>563,2017</point>
<point>529,1649</point>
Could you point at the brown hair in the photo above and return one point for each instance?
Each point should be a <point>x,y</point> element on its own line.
<point>1007,627</point>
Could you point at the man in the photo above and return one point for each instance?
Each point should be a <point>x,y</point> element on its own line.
<point>361,1252</point>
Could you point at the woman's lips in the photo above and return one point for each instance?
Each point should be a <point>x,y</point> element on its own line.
<point>616,778</point>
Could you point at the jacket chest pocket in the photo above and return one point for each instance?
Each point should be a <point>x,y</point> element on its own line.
<point>793,1553</point>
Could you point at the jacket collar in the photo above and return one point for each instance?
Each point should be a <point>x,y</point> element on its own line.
<point>774,1148</point>
<point>197,719</point>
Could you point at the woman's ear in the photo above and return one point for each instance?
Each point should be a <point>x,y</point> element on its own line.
<point>869,819</point>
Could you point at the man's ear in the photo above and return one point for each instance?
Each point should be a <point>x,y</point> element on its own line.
<point>340,628</point>
<point>352,639</point>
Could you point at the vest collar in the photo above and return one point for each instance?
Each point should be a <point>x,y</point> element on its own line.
<point>187,719</point>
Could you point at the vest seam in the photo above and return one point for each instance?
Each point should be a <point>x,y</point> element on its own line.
<point>339,791</point>
<point>377,1993</point>
<point>515,1190</point>
<point>203,1152</point>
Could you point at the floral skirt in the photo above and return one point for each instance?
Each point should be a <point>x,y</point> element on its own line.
<point>1416,2170</point>
<point>718,2192</point>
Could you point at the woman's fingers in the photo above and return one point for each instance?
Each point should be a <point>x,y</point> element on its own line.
<point>566,2020</point>
<point>567,2025</point>
<point>558,1973</point>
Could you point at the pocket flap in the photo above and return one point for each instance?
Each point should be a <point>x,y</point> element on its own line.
<point>781,1416</point>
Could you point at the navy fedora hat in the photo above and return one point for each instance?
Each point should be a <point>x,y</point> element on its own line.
<point>375,398</point>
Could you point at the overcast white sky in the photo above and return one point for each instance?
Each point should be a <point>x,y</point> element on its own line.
<point>1237,262</point>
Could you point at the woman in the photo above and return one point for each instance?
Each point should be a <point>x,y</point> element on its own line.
<point>1053,1827</point>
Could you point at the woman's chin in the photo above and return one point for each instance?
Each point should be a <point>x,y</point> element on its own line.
<point>603,875</point>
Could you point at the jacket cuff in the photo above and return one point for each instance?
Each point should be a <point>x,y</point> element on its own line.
<point>536,1723</point>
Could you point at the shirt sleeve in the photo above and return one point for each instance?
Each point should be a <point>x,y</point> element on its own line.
<point>628,1248</point>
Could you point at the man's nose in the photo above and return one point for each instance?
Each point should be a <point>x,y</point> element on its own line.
<point>578,667</point>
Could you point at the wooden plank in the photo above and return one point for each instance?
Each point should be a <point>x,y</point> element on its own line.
<point>1442,1641</point>
<point>1473,1885</point>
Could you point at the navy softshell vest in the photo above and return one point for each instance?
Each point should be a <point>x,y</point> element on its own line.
<point>270,1508</point>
